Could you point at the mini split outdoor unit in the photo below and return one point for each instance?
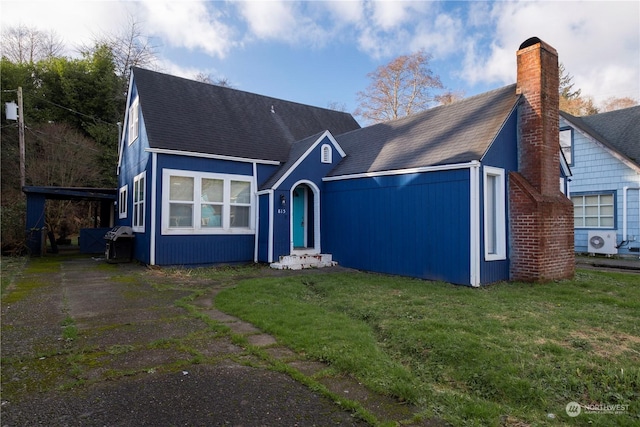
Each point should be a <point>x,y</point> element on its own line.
<point>602,242</point>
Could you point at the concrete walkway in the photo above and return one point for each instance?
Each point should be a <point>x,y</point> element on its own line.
<point>92,344</point>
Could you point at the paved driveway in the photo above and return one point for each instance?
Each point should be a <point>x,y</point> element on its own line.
<point>85,343</point>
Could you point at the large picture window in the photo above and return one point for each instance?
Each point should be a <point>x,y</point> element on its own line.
<point>138,202</point>
<point>206,203</point>
<point>593,210</point>
<point>495,241</point>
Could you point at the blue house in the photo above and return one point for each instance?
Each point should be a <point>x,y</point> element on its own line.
<point>604,153</point>
<point>210,175</point>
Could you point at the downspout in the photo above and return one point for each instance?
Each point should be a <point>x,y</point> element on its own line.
<point>474,202</point>
<point>257,213</point>
<point>152,239</point>
<point>625,189</point>
<point>271,208</point>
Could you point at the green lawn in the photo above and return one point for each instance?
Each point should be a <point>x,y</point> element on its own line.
<point>506,354</point>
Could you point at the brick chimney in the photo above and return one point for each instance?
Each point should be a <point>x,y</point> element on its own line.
<point>541,217</point>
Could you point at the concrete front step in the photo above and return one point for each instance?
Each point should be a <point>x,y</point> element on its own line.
<point>298,262</point>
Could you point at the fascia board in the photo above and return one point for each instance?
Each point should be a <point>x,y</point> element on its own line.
<point>210,156</point>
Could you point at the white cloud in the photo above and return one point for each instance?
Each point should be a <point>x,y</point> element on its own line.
<point>269,19</point>
<point>190,24</point>
<point>440,38</point>
<point>598,42</point>
<point>294,23</point>
<point>77,23</point>
<point>350,12</point>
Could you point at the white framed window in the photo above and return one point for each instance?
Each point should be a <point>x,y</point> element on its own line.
<point>139,182</point>
<point>122,201</point>
<point>326,153</point>
<point>495,239</point>
<point>594,210</point>
<point>206,203</point>
<point>133,121</point>
<point>566,144</point>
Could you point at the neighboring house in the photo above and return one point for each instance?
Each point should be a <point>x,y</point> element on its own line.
<point>604,154</point>
<point>466,193</point>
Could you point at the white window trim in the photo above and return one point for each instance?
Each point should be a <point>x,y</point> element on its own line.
<point>123,201</point>
<point>326,154</point>
<point>197,228</point>
<point>600,215</point>
<point>134,118</point>
<point>135,203</point>
<point>500,211</point>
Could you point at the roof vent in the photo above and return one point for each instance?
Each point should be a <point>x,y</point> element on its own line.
<point>529,42</point>
<point>273,110</point>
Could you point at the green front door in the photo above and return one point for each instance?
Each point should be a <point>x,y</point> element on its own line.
<point>299,217</point>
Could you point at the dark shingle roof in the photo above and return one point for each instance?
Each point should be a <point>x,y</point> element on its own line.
<point>186,115</point>
<point>456,133</point>
<point>619,130</point>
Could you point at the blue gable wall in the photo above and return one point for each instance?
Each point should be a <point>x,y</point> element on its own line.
<point>309,170</point>
<point>414,225</point>
<point>135,160</point>
<point>503,153</point>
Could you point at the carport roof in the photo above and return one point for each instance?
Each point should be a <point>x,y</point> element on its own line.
<point>73,193</point>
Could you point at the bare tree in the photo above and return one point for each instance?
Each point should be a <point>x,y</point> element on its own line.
<point>58,155</point>
<point>208,79</point>
<point>129,46</point>
<point>337,106</point>
<point>450,97</point>
<point>613,103</point>
<point>26,45</point>
<point>402,87</point>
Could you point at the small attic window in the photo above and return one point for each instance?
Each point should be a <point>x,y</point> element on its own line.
<point>326,153</point>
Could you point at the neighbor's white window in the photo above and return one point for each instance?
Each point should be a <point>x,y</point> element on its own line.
<point>593,210</point>
<point>566,144</point>
<point>495,244</point>
<point>122,201</point>
<point>133,121</point>
<point>326,153</point>
<point>206,203</point>
<point>138,202</point>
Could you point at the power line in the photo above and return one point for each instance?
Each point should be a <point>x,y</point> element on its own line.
<point>77,112</point>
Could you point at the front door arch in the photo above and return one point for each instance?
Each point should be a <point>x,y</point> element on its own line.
<point>305,218</point>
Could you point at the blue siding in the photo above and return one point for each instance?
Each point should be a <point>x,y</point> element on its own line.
<point>503,153</point>
<point>265,172</point>
<point>281,239</point>
<point>413,225</point>
<point>311,168</point>
<point>198,164</point>
<point>202,250</point>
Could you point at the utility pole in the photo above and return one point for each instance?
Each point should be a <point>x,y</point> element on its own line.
<point>21,138</point>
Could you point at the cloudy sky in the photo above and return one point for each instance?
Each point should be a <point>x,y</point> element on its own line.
<point>319,52</point>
